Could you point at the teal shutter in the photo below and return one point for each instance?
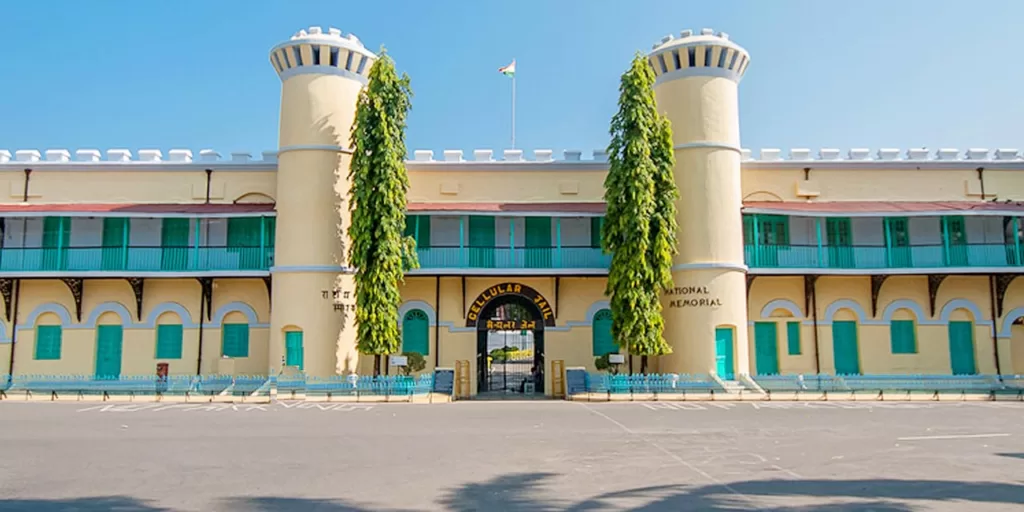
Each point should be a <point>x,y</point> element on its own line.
<point>897,237</point>
<point>961,348</point>
<point>169,341</point>
<point>724,365</point>
<point>56,236</point>
<point>235,340</point>
<point>538,242</point>
<point>596,223</point>
<point>115,232</point>
<point>773,232</point>
<point>244,235</point>
<point>603,342</point>
<point>294,353</point>
<point>839,239</point>
<point>481,241</point>
<point>108,351</point>
<point>956,240</point>
<point>174,234</point>
<point>902,337</point>
<point>48,341</point>
<point>766,348</point>
<point>416,332</point>
<point>793,338</point>
<point>844,347</point>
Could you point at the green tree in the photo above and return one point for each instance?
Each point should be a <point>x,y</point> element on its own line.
<point>640,226</point>
<point>378,250</point>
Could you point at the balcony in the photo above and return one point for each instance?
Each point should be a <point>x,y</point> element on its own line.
<point>586,259</point>
<point>975,255</point>
<point>136,260</point>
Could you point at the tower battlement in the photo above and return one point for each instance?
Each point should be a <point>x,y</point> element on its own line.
<point>704,54</point>
<point>314,50</point>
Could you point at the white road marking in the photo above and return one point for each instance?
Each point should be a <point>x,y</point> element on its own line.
<point>960,436</point>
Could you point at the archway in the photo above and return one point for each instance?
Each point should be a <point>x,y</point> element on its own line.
<point>510,320</point>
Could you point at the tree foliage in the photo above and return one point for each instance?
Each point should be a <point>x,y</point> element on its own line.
<point>379,250</point>
<point>414,362</point>
<point>640,224</point>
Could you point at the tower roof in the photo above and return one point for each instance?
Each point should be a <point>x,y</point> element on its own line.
<point>315,50</point>
<point>698,54</point>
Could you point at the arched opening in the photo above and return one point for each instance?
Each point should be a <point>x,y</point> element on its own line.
<point>416,332</point>
<point>845,344</point>
<point>603,342</point>
<point>961,343</point>
<point>109,344</point>
<point>510,345</point>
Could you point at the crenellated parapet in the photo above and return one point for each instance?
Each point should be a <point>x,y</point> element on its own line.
<point>883,155</point>
<point>315,50</point>
<point>126,156</point>
<point>450,156</point>
<point>704,54</point>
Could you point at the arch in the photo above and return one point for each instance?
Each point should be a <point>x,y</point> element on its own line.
<point>596,308</point>
<point>786,304</point>
<point>112,307</point>
<point>1005,329</point>
<point>896,305</point>
<point>241,307</point>
<point>955,304</point>
<point>48,307</point>
<point>515,292</point>
<point>416,332</point>
<point>169,307</point>
<point>834,308</point>
<point>601,340</point>
<point>416,304</point>
<point>254,198</point>
<point>763,195</point>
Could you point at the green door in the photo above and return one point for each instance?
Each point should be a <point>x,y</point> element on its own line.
<point>481,241</point>
<point>56,236</point>
<point>839,237</point>
<point>844,347</point>
<point>245,236</point>
<point>961,348</point>
<point>602,340</point>
<point>293,352</point>
<point>115,241</point>
<point>538,242</point>
<point>772,238</point>
<point>897,240</point>
<point>724,365</point>
<point>174,244</point>
<point>108,351</point>
<point>956,241</point>
<point>766,348</point>
<point>416,332</point>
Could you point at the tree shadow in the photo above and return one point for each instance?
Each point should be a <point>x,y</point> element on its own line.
<point>1013,455</point>
<point>91,504</point>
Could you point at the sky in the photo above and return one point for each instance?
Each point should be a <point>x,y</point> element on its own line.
<point>195,74</point>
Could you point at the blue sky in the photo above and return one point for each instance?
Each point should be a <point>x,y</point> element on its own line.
<point>195,74</point>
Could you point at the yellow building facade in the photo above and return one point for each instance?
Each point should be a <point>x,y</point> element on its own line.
<point>836,262</point>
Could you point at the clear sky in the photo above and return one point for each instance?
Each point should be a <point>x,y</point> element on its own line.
<point>195,74</point>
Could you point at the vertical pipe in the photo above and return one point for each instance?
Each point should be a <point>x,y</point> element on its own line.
<point>202,313</point>
<point>24,192</point>
<point>437,322</point>
<point>946,259</point>
<point>995,323</point>
<point>821,248</point>
<point>195,243</point>
<point>14,326</point>
<point>814,322</point>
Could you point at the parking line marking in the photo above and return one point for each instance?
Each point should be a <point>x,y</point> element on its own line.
<point>960,436</point>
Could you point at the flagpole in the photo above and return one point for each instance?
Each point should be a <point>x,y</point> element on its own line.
<point>513,110</point>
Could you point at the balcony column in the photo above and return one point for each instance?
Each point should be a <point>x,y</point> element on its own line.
<point>195,243</point>
<point>1016,240</point>
<point>263,240</point>
<point>756,240</point>
<point>558,242</point>
<point>125,234</point>
<point>888,242</point>
<point>61,242</point>
<point>463,260</point>
<point>821,248</point>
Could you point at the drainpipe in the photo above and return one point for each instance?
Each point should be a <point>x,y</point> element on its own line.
<point>814,322</point>
<point>209,176</point>
<point>437,322</point>
<point>981,178</point>
<point>24,194</point>
<point>202,313</point>
<point>14,327</point>
<point>995,323</point>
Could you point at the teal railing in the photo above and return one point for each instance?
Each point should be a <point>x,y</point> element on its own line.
<point>140,259</point>
<point>933,383</point>
<point>520,257</point>
<point>880,257</point>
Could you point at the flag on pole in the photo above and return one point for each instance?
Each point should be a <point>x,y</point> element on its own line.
<point>509,70</point>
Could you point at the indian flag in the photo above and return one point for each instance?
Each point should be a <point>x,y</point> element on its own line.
<point>509,70</point>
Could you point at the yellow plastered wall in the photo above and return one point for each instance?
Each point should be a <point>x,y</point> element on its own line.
<point>861,184</point>
<point>1016,350</point>
<point>490,185</point>
<point>99,186</point>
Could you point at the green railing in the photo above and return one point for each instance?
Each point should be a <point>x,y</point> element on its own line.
<point>135,259</point>
<point>498,257</point>
<point>879,257</point>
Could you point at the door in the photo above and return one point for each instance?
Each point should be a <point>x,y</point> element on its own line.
<point>772,238</point>
<point>724,363</point>
<point>293,353</point>
<point>481,241</point>
<point>174,244</point>
<point>956,241</point>
<point>897,237</point>
<point>844,347</point>
<point>245,236</point>
<point>766,348</point>
<point>56,237</point>
<point>839,237</point>
<point>961,348</point>
<point>108,351</point>
<point>115,242</point>
<point>538,242</point>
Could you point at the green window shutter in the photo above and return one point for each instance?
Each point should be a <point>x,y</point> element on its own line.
<point>773,229</point>
<point>902,337</point>
<point>244,231</point>
<point>410,225</point>
<point>793,338</point>
<point>603,342</point>
<point>174,232</point>
<point>293,351</point>
<point>896,228</point>
<point>596,223</point>
<point>416,332</point>
<point>423,231</point>
<point>481,231</point>
<point>270,224</point>
<point>838,232</point>
<point>51,232</point>
<point>56,235</point>
<point>748,230</point>
<point>956,231</point>
<point>235,340</point>
<point>169,341</point>
<point>538,231</point>
<point>48,341</point>
<point>113,231</point>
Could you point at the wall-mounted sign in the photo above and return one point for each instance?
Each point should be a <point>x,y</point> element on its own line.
<point>505,290</point>
<point>511,325</point>
<point>398,360</point>
<point>616,358</point>
<point>692,297</point>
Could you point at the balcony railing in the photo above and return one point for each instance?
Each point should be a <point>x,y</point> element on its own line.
<point>880,257</point>
<point>499,257</point>
<point>135,259</point>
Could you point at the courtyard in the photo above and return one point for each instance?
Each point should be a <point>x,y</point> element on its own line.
<point>535,455</point>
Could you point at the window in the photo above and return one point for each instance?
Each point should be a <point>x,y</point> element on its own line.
<point>235,340</point>
<point>48,338</point>
<point>168,341</point>
<point>418,227</point>
<point>603,342</point>
<point>596,223</point>
<point>793,338</point>
<point>903,339</point>
<point>416,332</point>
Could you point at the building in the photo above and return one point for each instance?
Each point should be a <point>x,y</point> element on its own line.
<point>874,262</point>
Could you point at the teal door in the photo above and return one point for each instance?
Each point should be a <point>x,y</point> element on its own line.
<point>538,242</point>
<point>56,237</point>
<point>245,236</point>
<point>481,241</point>
<point>115,241</point>
<point>844,347</point>
<point>766,348</point>
<point>174,244</point>
<point>108,351</point>
<point>956,241</point>
<point>839,237</point>
<point>293,353</point>
<point>416,332</point>
<point>723,353</point>
<point>897,236</point>
<point>961,348</point>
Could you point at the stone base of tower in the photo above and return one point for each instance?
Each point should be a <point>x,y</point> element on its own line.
<point>320,305</point>
<point>704,307</point>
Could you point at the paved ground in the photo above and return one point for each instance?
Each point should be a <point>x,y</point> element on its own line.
<point>512,456</point>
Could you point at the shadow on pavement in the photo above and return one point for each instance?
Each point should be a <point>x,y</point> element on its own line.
<point>1014,455</point>
<point>527,491</point>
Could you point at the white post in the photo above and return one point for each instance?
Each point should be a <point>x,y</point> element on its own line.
<point>513,109</point>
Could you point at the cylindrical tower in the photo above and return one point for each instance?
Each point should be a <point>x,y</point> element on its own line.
<point>696,86</point>
<point>313,290</point>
